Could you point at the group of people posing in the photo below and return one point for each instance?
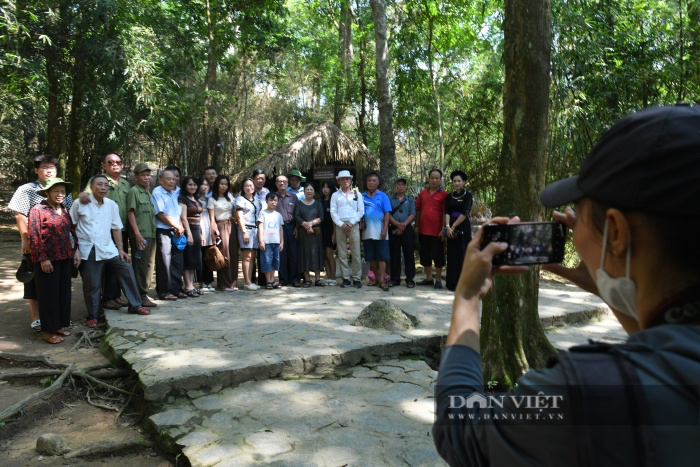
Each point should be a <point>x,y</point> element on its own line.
<point>171,228</point>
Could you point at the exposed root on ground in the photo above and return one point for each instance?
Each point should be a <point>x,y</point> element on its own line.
<point>108,448</point>
<point>118,392</point>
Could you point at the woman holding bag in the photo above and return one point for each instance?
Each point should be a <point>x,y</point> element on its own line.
<point>223,234</point>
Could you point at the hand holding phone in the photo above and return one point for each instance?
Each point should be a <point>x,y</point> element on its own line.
<point>528,242</point>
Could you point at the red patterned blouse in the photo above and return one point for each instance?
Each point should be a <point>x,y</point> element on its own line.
<point>51,235</point>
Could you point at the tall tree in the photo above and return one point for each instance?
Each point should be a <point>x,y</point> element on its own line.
<point>512,337</point>
<point>387,146</point>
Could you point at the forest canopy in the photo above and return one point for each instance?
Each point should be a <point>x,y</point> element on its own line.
<point>225,83</point>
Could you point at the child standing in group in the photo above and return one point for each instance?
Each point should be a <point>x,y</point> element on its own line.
<point>270,240</point>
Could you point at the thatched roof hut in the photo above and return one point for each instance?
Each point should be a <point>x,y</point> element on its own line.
<point>319,152</point>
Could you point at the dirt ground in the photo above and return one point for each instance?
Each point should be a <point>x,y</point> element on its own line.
<point>66,412</point>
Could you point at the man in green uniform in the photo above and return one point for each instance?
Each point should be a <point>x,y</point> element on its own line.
<point>142,231</point>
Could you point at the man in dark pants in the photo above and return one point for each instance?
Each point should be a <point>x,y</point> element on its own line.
<point>169,259</point>
<point>142,231</point>
<point>401,234</point>
<point>99,232</point>
<point>289,273</point>
<point>118,188</point>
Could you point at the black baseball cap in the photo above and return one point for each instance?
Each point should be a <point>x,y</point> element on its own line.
<point>649,162</point>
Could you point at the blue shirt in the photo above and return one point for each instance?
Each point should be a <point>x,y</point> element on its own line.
<point>375,208</point>
<point>300,192</point>
<point>165,202</point>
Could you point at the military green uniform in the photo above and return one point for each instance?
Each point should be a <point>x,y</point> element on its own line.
<point>138,200</point>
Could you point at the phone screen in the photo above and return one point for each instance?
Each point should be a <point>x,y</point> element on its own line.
<point>528,242</point>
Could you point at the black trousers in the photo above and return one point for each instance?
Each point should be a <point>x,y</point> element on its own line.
<point>405,243</point>
<point>169,264</point>
<point>54,294</point>
<point>456,249</point>
<point>92,272</point>
<point>110,287</point>
<point>289,272</point>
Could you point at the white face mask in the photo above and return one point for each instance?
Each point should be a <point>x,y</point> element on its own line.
<point>619,293</point>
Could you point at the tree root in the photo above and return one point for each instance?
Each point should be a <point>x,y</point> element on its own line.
<point>13,409</point>
<point>100,406</point>
<point>86,338</point>
<point>30,358</point>
<point>91,375</point>
<point>108,448</point>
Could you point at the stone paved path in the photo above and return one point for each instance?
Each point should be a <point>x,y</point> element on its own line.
<point>283,377</point>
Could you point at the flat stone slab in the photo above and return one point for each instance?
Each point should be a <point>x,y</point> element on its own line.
<point>369,417</point>
<point>604,328</point>
<point>282,377</point>
<point>225,339</point>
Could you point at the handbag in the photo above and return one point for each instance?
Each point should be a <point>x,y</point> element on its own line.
<point>25,272</point>
<point>214,259</point>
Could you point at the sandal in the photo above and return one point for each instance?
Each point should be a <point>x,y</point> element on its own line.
<point>306,284</point>
<point>91,323</point>
<point>36,325</point>
<point>192,293</point>
<point>168,296</point>
<point>319,283</point>
<point>52,338</point>
<point>269,286</point>
<point>63,332</point>
<point>276,285</point>
<point>372,284</point>
<point>384,286</point>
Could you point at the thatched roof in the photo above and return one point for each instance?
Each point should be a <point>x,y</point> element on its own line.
<point>321,146</point>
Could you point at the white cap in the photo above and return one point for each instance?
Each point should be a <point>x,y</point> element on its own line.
<point>343,173</point>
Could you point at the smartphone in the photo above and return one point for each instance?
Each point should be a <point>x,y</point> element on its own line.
<point>528,242</point>
<point>218,241</point>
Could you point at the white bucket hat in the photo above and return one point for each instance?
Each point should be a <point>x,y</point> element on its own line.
<point>343,173</point>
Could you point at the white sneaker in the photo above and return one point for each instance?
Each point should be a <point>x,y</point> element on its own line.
<point>251,287</point>
<point>210,287</point>
<point>330,281</point>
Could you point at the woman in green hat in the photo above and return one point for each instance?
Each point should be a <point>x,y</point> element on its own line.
<point>54,249</point>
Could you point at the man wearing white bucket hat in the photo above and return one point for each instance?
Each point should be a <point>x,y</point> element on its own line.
<point>347,208</point>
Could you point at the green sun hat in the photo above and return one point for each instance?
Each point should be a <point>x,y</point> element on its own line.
<point>44,191</point>
<point>296,173</point>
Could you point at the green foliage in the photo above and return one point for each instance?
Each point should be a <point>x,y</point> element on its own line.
<point>138,72</point>
<point>48,381</point>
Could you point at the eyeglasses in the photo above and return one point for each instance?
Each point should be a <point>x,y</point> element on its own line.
<point>113,162</point>
<point>47,167</point>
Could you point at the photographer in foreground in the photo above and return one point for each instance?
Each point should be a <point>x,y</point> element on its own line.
<point>637,213</point>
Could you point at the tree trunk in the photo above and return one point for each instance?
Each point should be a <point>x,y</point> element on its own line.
<point>387,147</point>
<point>363,81</point>
<point>512,337</point>
<point>53,74</point>
<point>436,98</point>
<point>74,153</point>
<point>345,53</point>
<point>209,83</point>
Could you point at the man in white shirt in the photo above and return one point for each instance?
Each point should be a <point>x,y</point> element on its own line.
<point>347,208</point>
<point>99,231</point>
